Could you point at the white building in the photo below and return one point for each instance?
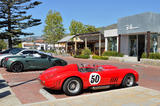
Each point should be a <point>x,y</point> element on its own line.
<point>111,40</point>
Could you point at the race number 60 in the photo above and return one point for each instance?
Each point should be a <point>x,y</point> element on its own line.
<point>94,78</point>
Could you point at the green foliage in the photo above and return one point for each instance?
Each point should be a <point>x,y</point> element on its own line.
<point>20,45</point>
<point>14,19</point>
<point>86,51</point>
<point>3,45</point>
<point>77,27</point>
<point>144,55</point>
<point>151,55</point>
<point>50,51</point>
<point>100,57</point>
<point>90,28</point>
<point>82,56</point>
<point>54,29</point>
<point>112,53</point>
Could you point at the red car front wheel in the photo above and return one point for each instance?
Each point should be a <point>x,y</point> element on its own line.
<point>72,86</point>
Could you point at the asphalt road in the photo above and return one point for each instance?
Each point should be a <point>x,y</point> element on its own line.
<point>26,86</point>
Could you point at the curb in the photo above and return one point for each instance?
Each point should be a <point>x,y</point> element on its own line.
<point>47,95</point>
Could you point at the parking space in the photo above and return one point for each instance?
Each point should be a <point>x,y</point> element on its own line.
<point>25,85</point>
<point>27,88</point>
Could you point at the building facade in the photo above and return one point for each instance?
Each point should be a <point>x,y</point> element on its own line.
<point>135,35</point>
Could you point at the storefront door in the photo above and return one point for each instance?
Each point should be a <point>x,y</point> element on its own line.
<point>141,45</point>
<point>133,45</point>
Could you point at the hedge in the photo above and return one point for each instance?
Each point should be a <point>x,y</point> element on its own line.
<point>100,57</point>
<point>82,56</point>
<point>112,53</point>
<point>151,55</point>
<point>86,51</point>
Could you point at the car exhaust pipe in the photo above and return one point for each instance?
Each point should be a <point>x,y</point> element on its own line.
<point>100,87</point>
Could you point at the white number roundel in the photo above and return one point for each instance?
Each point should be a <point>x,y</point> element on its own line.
<point>94,78</point>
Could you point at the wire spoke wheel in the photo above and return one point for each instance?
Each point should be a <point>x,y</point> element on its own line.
<point>72,86</point>
<point>128,81</point>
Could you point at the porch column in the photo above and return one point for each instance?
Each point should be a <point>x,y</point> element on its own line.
<point>99,44</point>
<point>75,47</point>
<point>66,47</point>
<point>106,44</point>
<point>85,42</point>
<point>148,42</point>
<point>119,43</point>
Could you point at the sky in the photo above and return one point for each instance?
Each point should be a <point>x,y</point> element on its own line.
<point>91,12</point>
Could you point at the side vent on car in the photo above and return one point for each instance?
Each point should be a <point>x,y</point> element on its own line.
<point>114,79</point>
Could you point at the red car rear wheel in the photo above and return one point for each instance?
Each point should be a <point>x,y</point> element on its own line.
<point>128,81</point>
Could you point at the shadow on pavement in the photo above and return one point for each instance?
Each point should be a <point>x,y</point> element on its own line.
<point>4,94</point>
<point>23,82</point>
<point>85,91</point>
<point>3,85</point>
<point>2,81</point>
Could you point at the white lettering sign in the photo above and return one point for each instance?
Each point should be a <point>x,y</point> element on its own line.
<point>130,27</point>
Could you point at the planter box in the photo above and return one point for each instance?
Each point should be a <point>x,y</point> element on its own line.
<point>123,59</point>
<point>150,61</point>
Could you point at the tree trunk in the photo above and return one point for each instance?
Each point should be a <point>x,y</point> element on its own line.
<point>9,26</point>
<point>9,42</point>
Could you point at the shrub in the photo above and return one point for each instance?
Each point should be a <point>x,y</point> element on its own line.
<point>151,55</point>
<point>144,55</point>
<point>82,56</point>
<point>112,53</point>
<point>100,57</point>
<point>86,52</point>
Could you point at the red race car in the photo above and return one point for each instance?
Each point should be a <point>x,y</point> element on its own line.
<point>72,79</point>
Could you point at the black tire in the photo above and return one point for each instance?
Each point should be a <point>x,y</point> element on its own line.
<point>72,86</point>
<point>57,63</point>
<point>2,63</point>
<point>16,67</point>
<point>128,80</point>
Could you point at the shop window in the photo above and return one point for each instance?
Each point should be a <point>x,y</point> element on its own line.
<point>154,43</point>
<point>112,44</point>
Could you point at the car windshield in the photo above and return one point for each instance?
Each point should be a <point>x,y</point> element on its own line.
<point>6,51</point>
<point>89,68</point>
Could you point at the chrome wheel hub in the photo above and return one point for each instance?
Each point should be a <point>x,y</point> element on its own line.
<point>129,81</point>
<point>73,86</point>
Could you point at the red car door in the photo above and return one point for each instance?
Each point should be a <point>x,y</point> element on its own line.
<point>111,77</point>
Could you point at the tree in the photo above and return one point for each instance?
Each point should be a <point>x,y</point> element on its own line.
<point>13,19</point>
<point>90,28</point>
<point>54,29</point>
<point>3,44</point>
<point>77,27</point>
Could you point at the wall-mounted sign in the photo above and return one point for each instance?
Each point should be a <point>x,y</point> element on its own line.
<point>130,27</point>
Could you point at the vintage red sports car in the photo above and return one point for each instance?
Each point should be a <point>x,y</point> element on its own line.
<point>73,79</point>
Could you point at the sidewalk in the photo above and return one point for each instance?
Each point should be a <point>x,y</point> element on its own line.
<point>7,97</point>
<point>133,96</point>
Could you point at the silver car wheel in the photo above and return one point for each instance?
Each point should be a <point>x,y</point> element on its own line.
<point>73,86</point>
<point>129,81</point>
